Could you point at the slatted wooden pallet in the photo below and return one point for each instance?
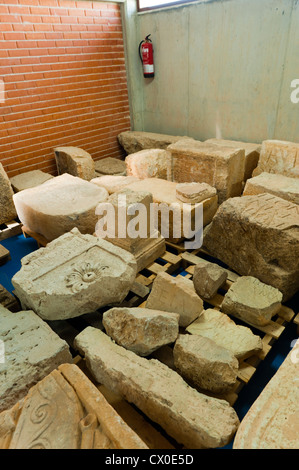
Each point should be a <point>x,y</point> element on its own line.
<point>10,229</point>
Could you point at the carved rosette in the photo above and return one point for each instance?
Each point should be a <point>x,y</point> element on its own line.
<point>81,277</point>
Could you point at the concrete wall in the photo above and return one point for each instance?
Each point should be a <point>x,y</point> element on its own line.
<point>223,68</point>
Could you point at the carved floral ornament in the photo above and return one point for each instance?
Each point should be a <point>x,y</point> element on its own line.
<point>81,277</point>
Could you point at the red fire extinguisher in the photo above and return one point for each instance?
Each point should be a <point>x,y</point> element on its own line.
<point>146,54</point>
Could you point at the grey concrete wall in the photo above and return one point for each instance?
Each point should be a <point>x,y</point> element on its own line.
<point>223,69</point>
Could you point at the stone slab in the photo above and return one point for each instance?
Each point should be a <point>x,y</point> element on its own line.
<point>258,236</point>
<point>272,422</point>
<point>114,183</point>
<point>194,192</point>
<point>134,141</point>
<point>220,166</point>
<point>208,278</point>
<point>220,328</point>
<point>30,179</point>
<point>65,410</point>
<point>110,166</point>
<point>278,156</point>
<point>73,275</point>
<point>31,351</point>
<point>59,205</point>
<point>279,185</point>
<point>191,418</point>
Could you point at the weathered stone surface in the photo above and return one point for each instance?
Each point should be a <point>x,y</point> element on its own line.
<point>65,411</point>
<point>31,351</point>
<point>8,300</point>
<point>258,236</point>
<point>205,364</point>
<point>208,278</point>
<point>134,141</point>
<point>75,161</point>
<point>175,294</point>
<point>193,419</point>
<point>194,192</point>
<point>114,183</point>
<point>73,275</point>
<point>4,255</point>
<point>272,422</point>
<point>252,153</point>
<point>110,166</point>
<point>252,301</point>
<point>278,156</point>
<point>220,328</point>
<point>59,205</point>
<point>141,330</point>
<point>131,231</point>
<point>150,163</point>
<point>279,185</point>
<point>7,207</point>
<point>30,179</point>
<point>164,193</point>
<point>220,166</point>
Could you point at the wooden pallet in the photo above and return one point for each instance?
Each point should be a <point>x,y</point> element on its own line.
<point>10,229</point>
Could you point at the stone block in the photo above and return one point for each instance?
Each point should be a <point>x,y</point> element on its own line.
<point>220,328</point>
<point>75,161</point>
<point>191,418</point>
<point>134,141</point>
<point>175,294</point>
<point>7,207</point>
<point>205,364</point>
<point>208,278</point>
<point>75,274</point>
<point>110,166</point>
<point>31,351</point>
<point>220,166</point>
<point>150,163</point>
<point>279,185</point>
<point>141,330</point>
<point>59,205</point>
<point>279,156</point>
<point>114,183</point>
<point>258,236</point>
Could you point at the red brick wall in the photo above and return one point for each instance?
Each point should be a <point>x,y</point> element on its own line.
<point>63,67</point>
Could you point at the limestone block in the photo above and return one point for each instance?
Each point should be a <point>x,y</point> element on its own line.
<point>258,236</point>
<point>220,328</point>
<point>252,301</point>
<point>141,330</point>
<point>205,364</point>
<point>75,161</point>
<point>279,185</point>
<point>208,278</point>
<point>194,192</point>
<point>30,179</point>
<point>110,166</point>
<point>164,193</point>
<point>65,410</point>
<point>191,418</point>
<point>175,294</point>
<point>114,183</point>
<point>220,166</point>
<point>8,300</point>
<point>129,226</point>
<point>134,141</point>
<point>59,205</point>
<point>150,163</point>
<point>278,156</point>
<point>7,207</point>
<point>31,351</point>
<point>252,153</point>
<point>272,422</point>
<point>75,274</point>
